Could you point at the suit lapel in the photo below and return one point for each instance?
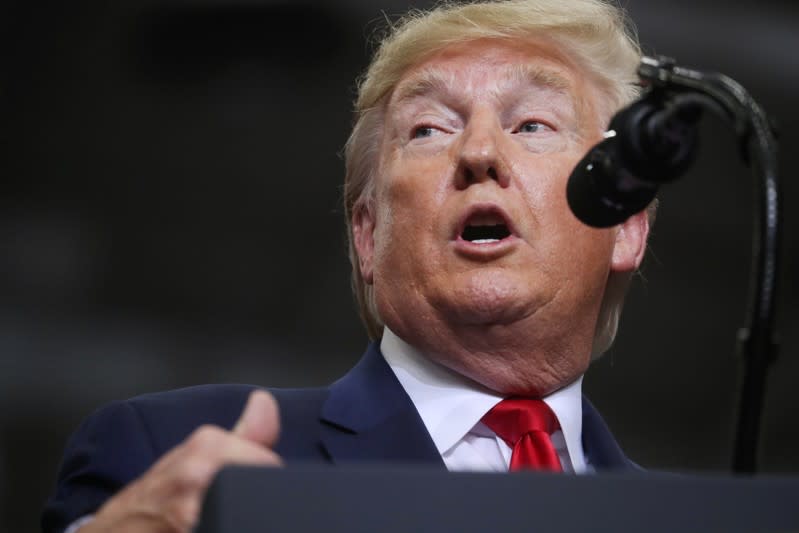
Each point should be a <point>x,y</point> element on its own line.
<point>368,416</point>
<point>599,446</point>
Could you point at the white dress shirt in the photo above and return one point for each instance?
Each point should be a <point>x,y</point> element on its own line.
<point>451,407</point>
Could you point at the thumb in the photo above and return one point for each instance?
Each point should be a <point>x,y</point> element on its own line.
<point>260,420</point>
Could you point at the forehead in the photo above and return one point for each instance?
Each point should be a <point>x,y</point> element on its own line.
<point>492,65</point>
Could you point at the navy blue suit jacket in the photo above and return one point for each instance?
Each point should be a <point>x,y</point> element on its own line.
<point>365,416</point>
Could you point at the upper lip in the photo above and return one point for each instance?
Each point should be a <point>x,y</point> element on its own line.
<point>484,209</point>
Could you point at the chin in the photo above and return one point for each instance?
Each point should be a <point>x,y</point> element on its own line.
<point>486,298</point>
<point>535,375</point>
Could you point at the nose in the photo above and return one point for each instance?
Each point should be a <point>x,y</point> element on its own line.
<point>481,154</point>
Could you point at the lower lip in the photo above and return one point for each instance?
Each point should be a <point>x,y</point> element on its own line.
<point>487,250</point>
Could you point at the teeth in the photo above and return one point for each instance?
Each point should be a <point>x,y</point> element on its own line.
<point>479,234</point>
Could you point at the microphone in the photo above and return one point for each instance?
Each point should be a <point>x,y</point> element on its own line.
<point>649,142</point>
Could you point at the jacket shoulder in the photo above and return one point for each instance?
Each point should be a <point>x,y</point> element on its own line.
<point>171,416</point>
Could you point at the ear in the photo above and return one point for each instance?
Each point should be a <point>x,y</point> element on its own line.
<point>630,245</point>
<point>363,227</point>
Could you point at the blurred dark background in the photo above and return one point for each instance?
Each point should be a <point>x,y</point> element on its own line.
<point>170,215</point>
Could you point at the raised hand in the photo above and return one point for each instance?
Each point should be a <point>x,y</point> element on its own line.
<point>167,498</point>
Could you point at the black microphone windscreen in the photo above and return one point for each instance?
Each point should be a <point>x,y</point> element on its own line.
<point>601,194</point>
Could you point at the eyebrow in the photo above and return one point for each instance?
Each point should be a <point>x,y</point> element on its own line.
<point>540,77</point>
<point>428,81</point>
<point>432,80</point>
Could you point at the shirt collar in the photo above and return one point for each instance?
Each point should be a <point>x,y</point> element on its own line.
<point>450,405</point>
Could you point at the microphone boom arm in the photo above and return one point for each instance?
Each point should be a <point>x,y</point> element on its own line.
<point>653,141</point>
<point>756,339</point>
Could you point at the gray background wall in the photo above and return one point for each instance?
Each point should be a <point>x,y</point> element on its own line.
<point>170,216</point>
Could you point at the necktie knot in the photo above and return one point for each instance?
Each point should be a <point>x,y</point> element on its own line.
<point>526,425</point>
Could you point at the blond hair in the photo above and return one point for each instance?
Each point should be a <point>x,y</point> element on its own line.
<point>593,33</point>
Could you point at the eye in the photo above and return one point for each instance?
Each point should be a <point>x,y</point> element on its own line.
<point>533,126</point>
<point>420,132</point>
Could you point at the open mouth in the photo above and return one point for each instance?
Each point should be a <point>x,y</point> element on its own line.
<point>485,227</point>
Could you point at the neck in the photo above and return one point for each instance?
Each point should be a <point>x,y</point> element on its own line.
<point>510,359</point>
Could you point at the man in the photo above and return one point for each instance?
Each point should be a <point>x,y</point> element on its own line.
<point>473,277</point>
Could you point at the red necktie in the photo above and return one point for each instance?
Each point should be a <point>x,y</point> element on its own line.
<point>525,425</point>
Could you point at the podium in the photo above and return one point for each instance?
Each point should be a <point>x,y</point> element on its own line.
<point>418,500</point>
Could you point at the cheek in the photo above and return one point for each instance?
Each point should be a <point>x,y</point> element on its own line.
<point>385,224</point>
<point>401,220</point>
<point>408,169</point>
<point>567,242</point>
<point>544,184</point>
<point>413,191</point>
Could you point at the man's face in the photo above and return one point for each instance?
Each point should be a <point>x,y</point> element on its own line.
<point>470,234</point>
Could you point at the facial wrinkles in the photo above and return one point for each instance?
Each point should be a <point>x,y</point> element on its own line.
<point>446,101</point>
<point>440,92</point>
<point>448,98</point>
<point>541,293</point>
<point>440,81</point>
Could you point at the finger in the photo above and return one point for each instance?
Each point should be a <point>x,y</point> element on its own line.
<point>189,468</point>
<point>246,452</point>
<point>168,496</point>
<point>260,420</point>
<point>196,469</point>
<point>205,450</point>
